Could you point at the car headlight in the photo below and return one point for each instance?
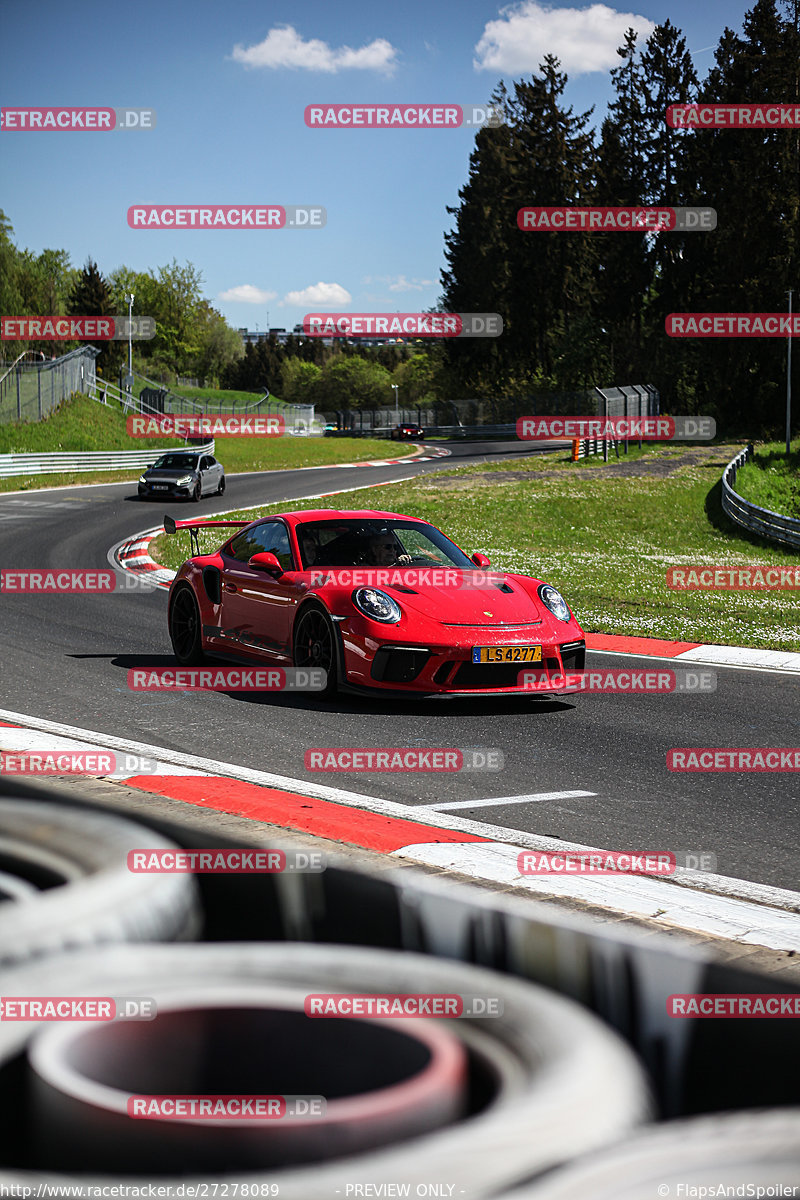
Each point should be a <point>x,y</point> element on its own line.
<point>187,479</point>
<point>143,479</point>
<point>551,598</point>
<point>377,605</point>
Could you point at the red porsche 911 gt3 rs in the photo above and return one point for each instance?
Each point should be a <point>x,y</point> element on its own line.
<point>381,601</point>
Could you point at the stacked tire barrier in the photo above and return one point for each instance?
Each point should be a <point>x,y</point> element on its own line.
<point>571,1087</point>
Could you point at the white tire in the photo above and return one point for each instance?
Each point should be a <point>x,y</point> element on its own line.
<point>73,884</point>
<point>704,1154</point>
<point>548,1080</point>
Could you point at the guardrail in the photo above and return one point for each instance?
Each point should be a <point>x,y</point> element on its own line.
<point>84,460</point>
<point>772,525</point>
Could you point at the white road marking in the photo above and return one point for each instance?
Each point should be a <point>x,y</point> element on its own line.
<point>533,798</point>
<point>792,661</point>
<point>34,741</point>
<point>725,907</point>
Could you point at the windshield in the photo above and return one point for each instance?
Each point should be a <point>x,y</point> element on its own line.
<point>175,462</point>
<point>353,543</point>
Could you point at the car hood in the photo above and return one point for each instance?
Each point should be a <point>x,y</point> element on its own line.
<point>488,604</point>
<point>169,476</point>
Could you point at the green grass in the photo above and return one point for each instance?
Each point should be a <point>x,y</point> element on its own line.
<point>83,424</point>
<point>561,460</point>
<point>771,480</point>
<point>606,542</point>
<point>222,399</point>
<point>77,424</point>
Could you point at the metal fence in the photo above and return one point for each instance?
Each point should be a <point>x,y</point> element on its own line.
<point>30,391</point>
<point>67,461</point>
<point>501,412</point>
<point>772,525</point>
<point>155,398</point>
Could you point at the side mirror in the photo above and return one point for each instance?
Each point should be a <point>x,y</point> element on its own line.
<point>266,561</point>
<point>481,560</point>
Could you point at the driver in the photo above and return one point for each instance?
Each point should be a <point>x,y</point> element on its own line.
<point>383,548</point>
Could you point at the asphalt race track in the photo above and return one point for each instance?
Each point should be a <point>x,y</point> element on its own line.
<point>65,658</point>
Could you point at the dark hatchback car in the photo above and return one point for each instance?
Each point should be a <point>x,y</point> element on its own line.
<point>407,430</point>
<point>181,474</point>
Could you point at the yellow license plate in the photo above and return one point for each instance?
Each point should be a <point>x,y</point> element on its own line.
<point>506,654</point>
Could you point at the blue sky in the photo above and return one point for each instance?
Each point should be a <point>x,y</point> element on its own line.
<point>230,130</point>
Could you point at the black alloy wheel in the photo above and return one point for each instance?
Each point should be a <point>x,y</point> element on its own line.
<point>315,646</point>
<point>184,629</point>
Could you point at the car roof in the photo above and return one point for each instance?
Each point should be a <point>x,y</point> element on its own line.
<point>335,514</point>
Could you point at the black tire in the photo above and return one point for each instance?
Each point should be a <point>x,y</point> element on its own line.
<point>83,893</point>
<point>314,645</point>
<point>221,488</point>
<point>198,491</point>
<point>184,628</point>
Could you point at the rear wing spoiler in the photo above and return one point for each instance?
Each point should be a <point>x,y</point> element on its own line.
<point>172,526</point>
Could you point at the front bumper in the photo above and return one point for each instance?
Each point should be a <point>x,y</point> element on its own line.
<point>167,490</point>
<point>449,670</point>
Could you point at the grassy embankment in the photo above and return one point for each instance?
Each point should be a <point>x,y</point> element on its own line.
<point>83,424</point>
<point>772,480</point>
<point>604,536</point>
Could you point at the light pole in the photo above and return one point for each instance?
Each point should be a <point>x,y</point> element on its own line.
<point>789,379</point>
<point>129,301</point>
<point>396,388</point>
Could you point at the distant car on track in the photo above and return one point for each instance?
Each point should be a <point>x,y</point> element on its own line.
<point>381,601</point>
<point>405,430</point>
<point>183,475</point>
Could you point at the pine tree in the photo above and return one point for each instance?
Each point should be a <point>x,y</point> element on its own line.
<point>91,297</point>
<point>624,269</point>
<point>750,177</point>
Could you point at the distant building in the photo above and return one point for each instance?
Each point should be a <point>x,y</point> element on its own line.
<point>249,338</point>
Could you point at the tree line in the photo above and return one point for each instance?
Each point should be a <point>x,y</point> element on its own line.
<point>192,338</point>
<point>585,309</point>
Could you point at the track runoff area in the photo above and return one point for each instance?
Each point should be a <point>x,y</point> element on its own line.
<point>678,891</point>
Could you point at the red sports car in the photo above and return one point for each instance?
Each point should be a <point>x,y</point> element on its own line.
<point>381,601</point>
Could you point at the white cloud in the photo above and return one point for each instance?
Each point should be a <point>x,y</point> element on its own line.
<point>245,293</point>
<point>318,293</point>
<point>285,47</point>
<point>584,39</point>
<point>401,284</point>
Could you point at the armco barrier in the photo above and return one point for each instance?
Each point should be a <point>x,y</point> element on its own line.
<point>84,460</point>
<point>622,977</point>
<point>772,525</point>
